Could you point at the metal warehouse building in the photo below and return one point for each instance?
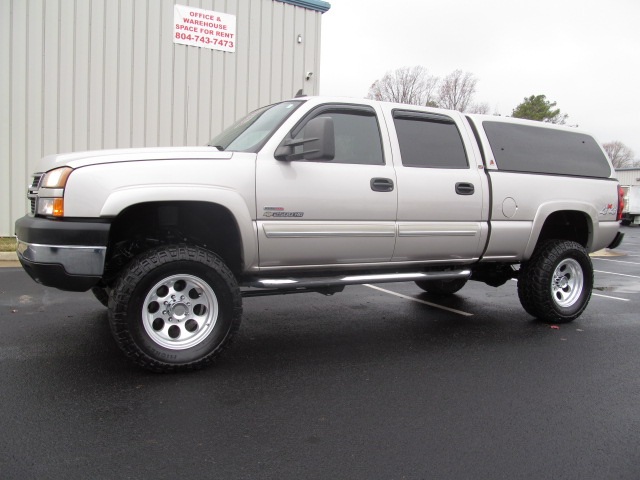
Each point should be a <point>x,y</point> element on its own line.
<point>628,176</point>
<point>93,74</point>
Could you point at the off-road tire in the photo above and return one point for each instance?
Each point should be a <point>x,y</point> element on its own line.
<point>555,284</point>
<point>442,287</point>
<point>175,308</point>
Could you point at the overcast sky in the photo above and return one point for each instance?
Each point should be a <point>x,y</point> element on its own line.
<point>582,54</point>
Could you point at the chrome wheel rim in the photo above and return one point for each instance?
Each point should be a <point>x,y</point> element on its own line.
<point>567,283</point>
<point>180,311</point>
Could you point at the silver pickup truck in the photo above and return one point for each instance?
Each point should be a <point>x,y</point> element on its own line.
<point>310,195</point>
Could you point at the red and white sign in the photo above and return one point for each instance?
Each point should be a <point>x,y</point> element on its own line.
<point>204,28</point>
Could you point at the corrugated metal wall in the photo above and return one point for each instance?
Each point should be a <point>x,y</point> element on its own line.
<point>629,176</point>
<point>92,74</point>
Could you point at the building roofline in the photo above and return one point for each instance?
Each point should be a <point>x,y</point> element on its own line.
<point>317,5</point>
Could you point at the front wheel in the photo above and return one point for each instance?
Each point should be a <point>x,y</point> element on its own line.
<point>555,284</point>
<point>175,308</point>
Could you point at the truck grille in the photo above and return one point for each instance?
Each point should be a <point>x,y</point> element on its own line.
<point>32,194</point>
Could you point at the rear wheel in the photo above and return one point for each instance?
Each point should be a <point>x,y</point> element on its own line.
<point>555,284</point>
<point>442,287</point>
<point>175,308</point>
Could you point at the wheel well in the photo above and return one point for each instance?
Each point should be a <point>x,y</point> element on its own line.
<point>146,225</point>
<point>567,225</point>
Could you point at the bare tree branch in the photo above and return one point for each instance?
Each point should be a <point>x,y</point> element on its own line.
<point>457,90</point>
<point>416,86</point>
<point>411,85</point>
<point>621,156</point>
<point>479,108</point>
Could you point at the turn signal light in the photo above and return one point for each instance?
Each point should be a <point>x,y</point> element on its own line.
<point>58,207</point>
<point>51,207</point>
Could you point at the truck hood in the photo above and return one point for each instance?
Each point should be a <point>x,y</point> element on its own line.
<point>83,159</point>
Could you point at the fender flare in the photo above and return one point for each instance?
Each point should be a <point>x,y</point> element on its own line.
<point>547,209</point>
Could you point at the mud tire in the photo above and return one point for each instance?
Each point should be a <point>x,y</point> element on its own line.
<point>555,285</point>
<point>195,298</point>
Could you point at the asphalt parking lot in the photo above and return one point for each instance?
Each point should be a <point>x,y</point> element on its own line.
<point>378,382</point>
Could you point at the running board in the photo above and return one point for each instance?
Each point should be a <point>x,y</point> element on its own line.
<point>273,286</point>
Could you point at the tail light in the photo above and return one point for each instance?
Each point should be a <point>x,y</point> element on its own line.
<point>620,203</point>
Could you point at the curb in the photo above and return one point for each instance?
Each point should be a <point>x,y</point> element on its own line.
<point>9,260</point>
<point>8,257</point>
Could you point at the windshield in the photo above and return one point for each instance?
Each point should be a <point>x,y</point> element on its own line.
<point>249,133</point>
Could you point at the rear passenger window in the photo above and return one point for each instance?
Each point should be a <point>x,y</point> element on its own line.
<point>357,135</point>
<point>525,148</point>
<point>429,140</point>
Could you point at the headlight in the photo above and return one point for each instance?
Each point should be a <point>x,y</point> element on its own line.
<point>56,178</point>
<point>50,202</point>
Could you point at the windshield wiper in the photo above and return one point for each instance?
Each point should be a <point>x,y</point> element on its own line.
<point>219,147</point>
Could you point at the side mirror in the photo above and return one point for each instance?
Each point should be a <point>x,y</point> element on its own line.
<point>318,142</point>
<point>322,143</point>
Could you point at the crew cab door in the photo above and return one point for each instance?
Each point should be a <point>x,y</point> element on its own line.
<point>322,209</point>
<point>441,188</point>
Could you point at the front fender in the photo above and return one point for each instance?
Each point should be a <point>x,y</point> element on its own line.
<point>105,190</point>
<point>123,198</point>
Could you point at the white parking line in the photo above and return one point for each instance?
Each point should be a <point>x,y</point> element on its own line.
<point>619,274</point>
<point>442,307</point>
<point>612,298</point>
<point>616,261</point>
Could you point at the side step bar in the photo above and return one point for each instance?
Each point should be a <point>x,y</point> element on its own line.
<point>330,285</point>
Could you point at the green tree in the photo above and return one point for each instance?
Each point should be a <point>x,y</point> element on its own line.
<point>537,107</point>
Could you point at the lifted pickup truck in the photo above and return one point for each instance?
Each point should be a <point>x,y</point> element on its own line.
<point>310,195</point>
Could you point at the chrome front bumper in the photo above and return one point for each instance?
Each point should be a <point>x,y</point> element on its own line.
<point>76,260</point>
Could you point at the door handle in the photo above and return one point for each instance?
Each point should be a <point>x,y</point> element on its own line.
<point>463,188</point>
<point>381,184</point>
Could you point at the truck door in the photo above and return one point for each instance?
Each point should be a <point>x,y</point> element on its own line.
<point>440,189</point>
<point>321,212</point>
